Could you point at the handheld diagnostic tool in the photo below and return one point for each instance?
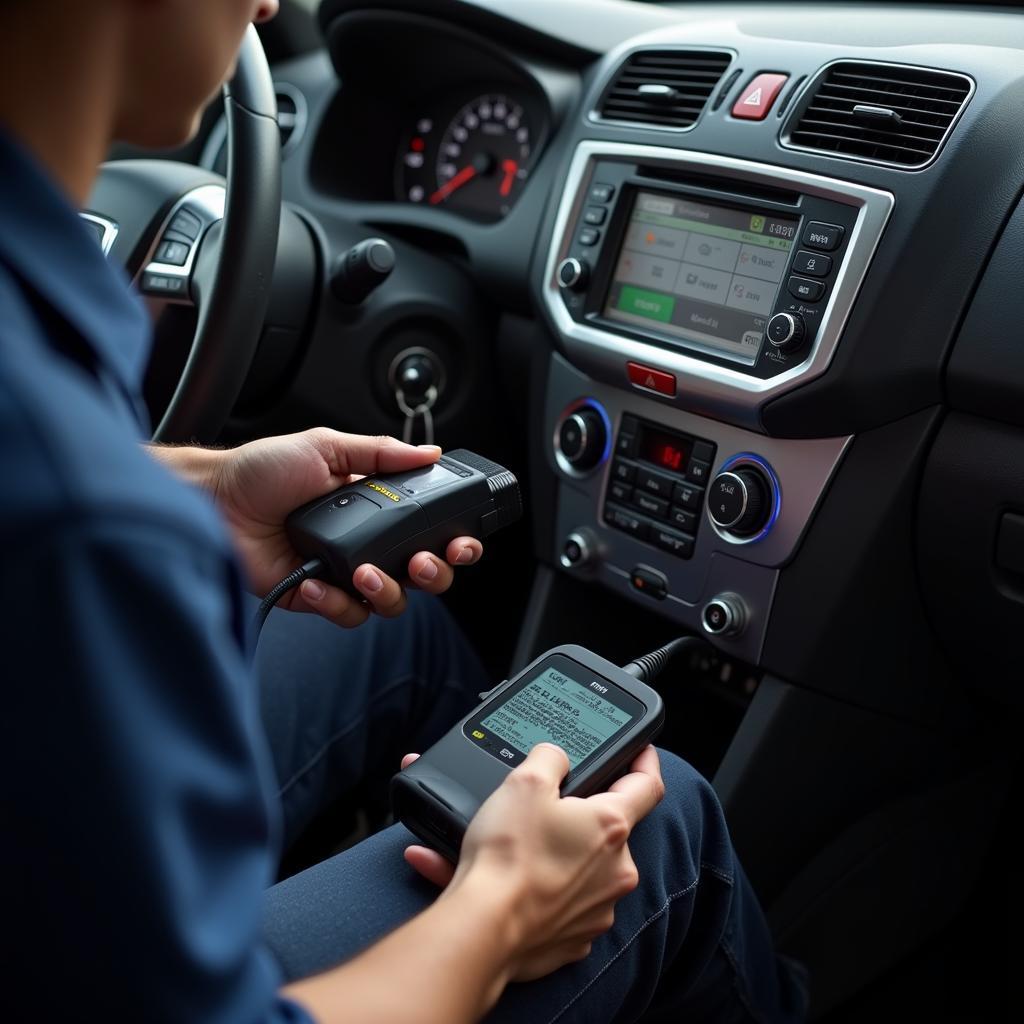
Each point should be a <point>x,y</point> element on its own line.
<point>386,519</point>
<point>598,713</point>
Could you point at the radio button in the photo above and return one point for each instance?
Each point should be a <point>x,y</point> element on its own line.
<point>698,472</point>
<point>626,521</point>
<point>675,543</point>
<point>813,263</point>
<point>602,193</point>
<point>802,288</point>
<point>589,236</point>
<point>619,491</point>
<point>685,521</point>
<point>624,471</point>
<point>649,503</point>
<point>594,215</point>
<point>573,273</point>
<point>625,445</point>
<point>654,483</point>
<point>786,331</point>
<point>704,450</point>
<point>823,236</point>
<point>688,496</point>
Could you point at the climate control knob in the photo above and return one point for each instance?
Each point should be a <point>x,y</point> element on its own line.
<point>582,438</point>
<point>740,501</point>
<point>786,331</point>
<point>573,274</point>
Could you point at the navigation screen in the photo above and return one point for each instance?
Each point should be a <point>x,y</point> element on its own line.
<point>706,274</point>
<point>554,708</point>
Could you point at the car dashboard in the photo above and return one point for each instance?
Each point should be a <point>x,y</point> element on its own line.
<point>733,288</point>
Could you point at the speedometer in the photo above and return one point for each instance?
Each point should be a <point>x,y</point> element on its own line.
<point>477,165</point>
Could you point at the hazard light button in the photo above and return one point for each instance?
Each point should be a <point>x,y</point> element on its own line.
<point>757,98</point>
<point>653,380</point>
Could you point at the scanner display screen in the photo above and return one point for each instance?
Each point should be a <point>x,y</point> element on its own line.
<point>556,708</point>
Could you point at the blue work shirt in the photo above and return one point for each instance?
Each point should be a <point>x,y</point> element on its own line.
<point>140,813</point>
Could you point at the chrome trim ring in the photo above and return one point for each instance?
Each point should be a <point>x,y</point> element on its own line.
<point>708,387</point>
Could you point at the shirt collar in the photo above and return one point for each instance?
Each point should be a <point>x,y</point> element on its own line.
<point>46,243</point>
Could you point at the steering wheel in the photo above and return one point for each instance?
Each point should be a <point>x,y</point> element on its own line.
<point>187,237</point>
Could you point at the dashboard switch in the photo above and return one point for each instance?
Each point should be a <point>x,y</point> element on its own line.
<point>724,615</point>
<point>806,289</point>
<point>577,550</point>
<point>582,438</point>
<point>757,98</point>
<point>651,379</point>
<point>739,501</point>
<point>649,581</point>
<point>823,236</point>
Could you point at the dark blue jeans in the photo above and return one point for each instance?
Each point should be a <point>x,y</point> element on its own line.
<point>340,708</point>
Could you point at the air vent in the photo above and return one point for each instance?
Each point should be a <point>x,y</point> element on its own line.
<point>663,88</point>
<point>884,113</point>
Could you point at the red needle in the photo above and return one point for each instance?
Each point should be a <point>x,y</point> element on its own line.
<point>509,167</point>
<point>460,179</point>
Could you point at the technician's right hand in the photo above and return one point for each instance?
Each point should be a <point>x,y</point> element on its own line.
<point>564,862</point>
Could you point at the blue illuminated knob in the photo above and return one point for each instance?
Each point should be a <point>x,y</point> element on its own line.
<point>739,501</point>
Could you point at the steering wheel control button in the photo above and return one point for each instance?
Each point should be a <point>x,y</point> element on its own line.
<point>724,615</point>
<point>803,288</point>
<point>649,379</point>
<point>650,582</point>
<point>601,193</point>
<point>165,285</point>
<point>595,216</point>
<point>589,236</point>
<point>786,331</point>
<point>687,496</point>
<point>739,501</point>
<point>573,273</point>
<point>582,438</point>
<point>757,98</point>
<point>825,237</point>
<point>813,263</point>
<point>173,253</point>
<point>184,223</point>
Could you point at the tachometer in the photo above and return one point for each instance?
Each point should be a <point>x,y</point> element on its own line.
<point>477,166</point>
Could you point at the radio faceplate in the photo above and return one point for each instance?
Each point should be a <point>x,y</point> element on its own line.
<point>734,277</point>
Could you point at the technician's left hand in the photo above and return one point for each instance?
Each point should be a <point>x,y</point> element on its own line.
<point>258,484</point>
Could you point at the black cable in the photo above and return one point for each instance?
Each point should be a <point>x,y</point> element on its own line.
<point>309,571</point>
<point>648,667</point>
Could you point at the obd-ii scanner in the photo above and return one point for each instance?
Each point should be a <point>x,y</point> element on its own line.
<point>601,715</point>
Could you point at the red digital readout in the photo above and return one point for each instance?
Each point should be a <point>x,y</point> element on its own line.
<point>665,450</point>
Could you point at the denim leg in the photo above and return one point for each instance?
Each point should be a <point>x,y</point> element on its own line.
<point>690,944</point>
<point>340,707</point>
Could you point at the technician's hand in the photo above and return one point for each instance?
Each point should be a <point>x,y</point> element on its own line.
<point>566,860</point>
<point>258,484</point>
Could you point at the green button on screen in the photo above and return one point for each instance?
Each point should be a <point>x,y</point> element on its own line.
<point>652,305</point>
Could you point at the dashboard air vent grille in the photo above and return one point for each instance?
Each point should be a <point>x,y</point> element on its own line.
<point>663,88</point>
<point>884,113</point>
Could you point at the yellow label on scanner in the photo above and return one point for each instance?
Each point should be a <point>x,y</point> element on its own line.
<point>382,490</point>
<point>477,734</point>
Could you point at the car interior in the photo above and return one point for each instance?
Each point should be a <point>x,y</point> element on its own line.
<point>734,289</point>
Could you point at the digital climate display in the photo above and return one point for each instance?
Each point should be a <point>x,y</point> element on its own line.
<point>553,708</point>
<point>706,274</point>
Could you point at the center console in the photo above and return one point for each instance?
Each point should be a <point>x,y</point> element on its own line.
<point>687,290</point>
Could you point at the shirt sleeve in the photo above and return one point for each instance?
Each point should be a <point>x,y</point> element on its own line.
<point>138,835</point>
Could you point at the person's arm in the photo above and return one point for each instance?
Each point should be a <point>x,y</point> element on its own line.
<point>537,881</point>
<point>258,484</point>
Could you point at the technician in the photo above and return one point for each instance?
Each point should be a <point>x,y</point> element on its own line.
<point>143,804</point>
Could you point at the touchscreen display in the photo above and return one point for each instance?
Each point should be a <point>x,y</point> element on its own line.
<point>704,273</point>
<point>554,708</point>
